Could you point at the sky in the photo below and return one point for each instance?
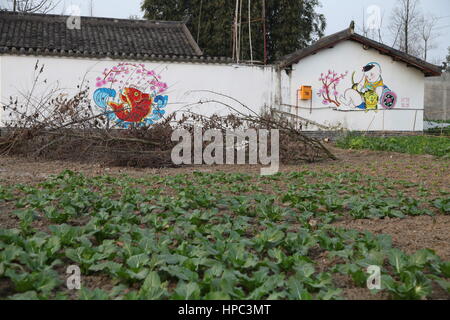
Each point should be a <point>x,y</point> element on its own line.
<point>339,14</point>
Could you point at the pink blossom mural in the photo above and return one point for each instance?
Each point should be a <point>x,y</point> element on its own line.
<point>329,92</point>
<point>131,74</point>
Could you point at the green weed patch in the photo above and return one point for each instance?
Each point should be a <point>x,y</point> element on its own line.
<point>436,146</point>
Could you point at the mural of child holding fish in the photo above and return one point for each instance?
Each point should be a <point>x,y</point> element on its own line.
<point>369,93</point>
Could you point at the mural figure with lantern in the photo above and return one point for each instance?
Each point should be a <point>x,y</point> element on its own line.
<point>370,92</point>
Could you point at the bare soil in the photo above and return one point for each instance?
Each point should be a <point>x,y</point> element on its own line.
<point>425,169</point>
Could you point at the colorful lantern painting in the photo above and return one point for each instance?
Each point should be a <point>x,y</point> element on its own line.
<point>131,95</point>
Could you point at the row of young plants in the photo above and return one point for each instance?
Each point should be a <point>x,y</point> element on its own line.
<point>211,236</point>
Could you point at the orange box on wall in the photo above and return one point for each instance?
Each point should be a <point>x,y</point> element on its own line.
<point>305,93</point>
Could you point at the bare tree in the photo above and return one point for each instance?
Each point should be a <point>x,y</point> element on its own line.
<point>427,33</point>
<point>404,26</point>
<point>33,6</point>
<point>91,8</point>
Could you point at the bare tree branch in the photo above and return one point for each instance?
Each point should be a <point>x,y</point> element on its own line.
<point>33,6</point>
<point>404,26</point>
<point>427,25</point>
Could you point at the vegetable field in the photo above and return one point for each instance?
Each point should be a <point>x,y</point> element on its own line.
<point>215,235</point>
<point>438,146</point>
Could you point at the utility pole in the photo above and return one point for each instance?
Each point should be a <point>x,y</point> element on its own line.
<point>91,8</point>
<point>237,30</point>
<point>199,21</point>
<point>264,30</point>
<point>250,29</point>
<point>235,33</point>
<point>15,6</point>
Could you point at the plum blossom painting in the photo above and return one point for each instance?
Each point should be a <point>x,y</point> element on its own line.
<point>329,92</point>
<point>131,95</point>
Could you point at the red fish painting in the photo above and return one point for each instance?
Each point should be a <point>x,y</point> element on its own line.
<point>135,105</point>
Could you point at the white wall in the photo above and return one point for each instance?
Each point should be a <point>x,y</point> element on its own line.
<point>255,86</point>
<point>251,85</point>
<point>406,82</point>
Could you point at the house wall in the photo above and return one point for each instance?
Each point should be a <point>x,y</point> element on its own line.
<point>349,56</point>
<point>251,85</point>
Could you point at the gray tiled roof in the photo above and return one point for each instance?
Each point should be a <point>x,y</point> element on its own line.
<point>39,34</point>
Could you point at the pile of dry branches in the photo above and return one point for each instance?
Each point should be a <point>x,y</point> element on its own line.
<point>58,127</point>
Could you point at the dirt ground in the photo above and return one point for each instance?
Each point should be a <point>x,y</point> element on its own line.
<point>409,234</point>
<point>414,168</point>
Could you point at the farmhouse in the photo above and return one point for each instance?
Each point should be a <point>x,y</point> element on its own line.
<point>356,83</point>
<point>343,81</point>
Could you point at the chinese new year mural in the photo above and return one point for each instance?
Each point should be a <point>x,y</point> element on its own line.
<point>131,95</point>
<point>368,93</point>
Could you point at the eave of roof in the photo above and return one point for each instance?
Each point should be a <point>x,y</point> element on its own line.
<point>102,55</point>
<point>428,69</point>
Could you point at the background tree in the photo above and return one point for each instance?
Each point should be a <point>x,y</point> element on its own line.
<point>32,6</point>
<point>427,34</point>
<point>290,24</point>
<point>405,20</point>
<point>413,30</point>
